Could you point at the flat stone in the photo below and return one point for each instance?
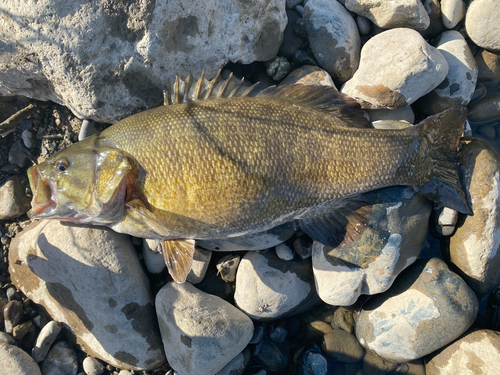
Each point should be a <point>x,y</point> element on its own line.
<point>201,333</point>
<point>452,12</point>
<point>391,14</point>
<point>482,23</point>
<point>14,360</point>
<point>91,280</point>
<point>391,241</point>
<point>476,353</point>
<point>474,248</point>
<point>427,307</point>
<point>13,199</point>
<point>396,68</point>
<point>333,37</point>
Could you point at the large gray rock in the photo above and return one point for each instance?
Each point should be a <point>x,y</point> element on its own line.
<point>482,22</point>
<point>90,279</point>
<point>16,361</point>
<point>201,332</point>
<point>396,68</point>
<point>106,60</point>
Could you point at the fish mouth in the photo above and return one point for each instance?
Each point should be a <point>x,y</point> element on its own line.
<point>42,203</point>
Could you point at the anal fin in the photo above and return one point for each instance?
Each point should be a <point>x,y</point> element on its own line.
<point>178,258</point>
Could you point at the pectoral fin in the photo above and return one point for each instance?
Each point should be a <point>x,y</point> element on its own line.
<point>178,257</point>
<point>147,217</point>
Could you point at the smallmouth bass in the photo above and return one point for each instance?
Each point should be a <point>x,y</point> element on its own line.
<point>237,162</point>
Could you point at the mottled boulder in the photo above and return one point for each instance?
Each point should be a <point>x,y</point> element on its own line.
<point>396,68</point>
<point>201,332</point>
<point>105,59</point>
<point>427,307</point>
<point>475,246</point>
<point>482,23</point>
<point>90,279</point>
<point>391,241</point>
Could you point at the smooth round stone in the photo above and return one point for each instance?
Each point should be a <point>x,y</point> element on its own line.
<point>476,353</point>
<point>272,355</point>
<point>391,241</point>
<point>278,334</point>
<point>284,252</point>
<point>269,288</point>
<point>333,36</point>
<point>257,241</point>
<point>452,12</point>
<point>401,114</point>
<point>29,138</point>
<point>317,329</point>
<point>309,75</point>
<point>482,23</point>
<point>486,109</point>
<point>396,68</point>
<point>363,25</point>
<point>16,361</point>
<point>427,307</point>
<point>153,256</point>
<point>392,14</point>
<point>13,200</point>
<point>61,359</point>
<point>45,339</point>
<point>201,333</point>
<point>12,314</point>
<point>92,366</point>
<point>474,249</point>
<point>290,4</point>
<point>201,261</point>
<point>488,65</point>
<point>342,346</point>
<point>459,85</point>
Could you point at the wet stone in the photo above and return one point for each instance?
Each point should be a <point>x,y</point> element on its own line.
<point>292,41</point>
<point>278,68</point>
<point>16,361</point>
<point>21,330</point>
<point>61,359</point>
<point>45,340</point>
<point>313,363</point>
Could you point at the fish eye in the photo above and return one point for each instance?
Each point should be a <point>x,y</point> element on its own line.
<point>62,165</point>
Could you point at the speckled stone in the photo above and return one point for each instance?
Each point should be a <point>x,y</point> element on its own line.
<point>16,361</point>
<point>201,333</point>
<point>390,242</point>
<point>482,23</point>
<point>428,307</point>
<point>91,280</point>
<point>396,68</point>
<point>476,353</point>
<point>474,248</point>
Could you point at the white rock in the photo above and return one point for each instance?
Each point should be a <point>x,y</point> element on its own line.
<point>201,333</point>
<point>333,36</point>
<point>201,260</point>
<point>482,23</point>
<point>391,14</point>
<point>153,256</point>
<point>284,252</point>
<point>92,366</point>
<point>16,361</point>
<point>91,280</point>
<point>269,288</point>
<point>60,360</point>
<point>105,61</point>
<point>397,67</point>
<point>45,339</point>
<point>452,12</point>
<point>13,200</point>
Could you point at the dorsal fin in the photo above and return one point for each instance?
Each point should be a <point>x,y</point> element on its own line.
<point>323,98</point>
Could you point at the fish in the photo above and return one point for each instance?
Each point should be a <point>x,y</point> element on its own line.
<point>225,160</point>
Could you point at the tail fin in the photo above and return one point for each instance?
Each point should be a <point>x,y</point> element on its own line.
<point>443,183</point>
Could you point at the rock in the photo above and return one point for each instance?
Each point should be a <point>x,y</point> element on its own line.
<point>475,353</point>
<point>486,109</point>
<point>392,14</point>
<point>21,330</point>
<point>106,60</point>
<point>12,314</point>
<point>269,288</point>
<point>475,247</point>
<point>444,221</point>
<point>272,355</point>
<point>309,75</point>
<point>278,334</point>
<point>19,154</point>
<point>278,68</point>
<point>29,138</point>
<point>60,360</point>
<point>363,25</point>
<point>433,9</point>
<point>238,364</point>
<point>452,12</point>
<point>201,333</point>
<point>374,365</point>
<point>482,23</point>
<point>257,241</point>
<point>401,114</point>
<point>343,318</point>
<point>391,241</point>
<point>16,361</point>
<point>342,346</point>
<point>284,252</point>
<point>45,339</point>
<point>5,338</point>
<point>488,65</point>
<point>13,199</point>
<point>333,37</point>
<point>292,40</point>
<point>153,256</point>
<point>460,83</point>
<point>396,68</point>
<point>428,307</point>
<point>227,267</point>
<point>201,260</point>
<point>92,366</point>
<point>290,4</point>
<point>313,363</point>
<point>302,247</point>
<point>90,279</point>
<point>258,333</point>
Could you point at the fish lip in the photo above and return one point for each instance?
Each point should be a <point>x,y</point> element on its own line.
<point>42,189</point>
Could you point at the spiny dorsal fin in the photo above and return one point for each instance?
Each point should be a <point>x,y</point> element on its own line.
<point>323,98</point>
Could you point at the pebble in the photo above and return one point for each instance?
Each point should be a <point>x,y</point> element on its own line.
<point>153,256</point>
<point>474,248</point>
<point>444,221</point>
<point>391,241</point>
<point>482,23</point>
<point>397,67</point>
<point>15,361</point>
<point>284,252</point>
<point>258,334</point>
<point>13,199</point>
<point>92,366</point>
<point>21,330</point>
<point>392,14</point>
<point>45,340</point>
<point>427,307</point>
<point>19,155</point>
<point>12,314</point>
<point>201,260</point>
<point>272,355</point>
<point>333,36</point>
<point>201,333</point>
<point>61,359</point>
<point>342,346</point>
<point>343,318</point>
<point>363,25</point>
<point>313,363</point>
<point>476,353</point>
<point>238,364</point>
<point>268,288</point>
<point>302,247</point>
<point>278,68</point>
<point>488,65</point>
<point>12,294</point>
<point>452,12</point>
<point>29,138</point>
<point>309,75</point>
<point>227,267</point>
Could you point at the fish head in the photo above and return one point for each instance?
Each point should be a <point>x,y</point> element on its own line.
<point>83,184</point>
